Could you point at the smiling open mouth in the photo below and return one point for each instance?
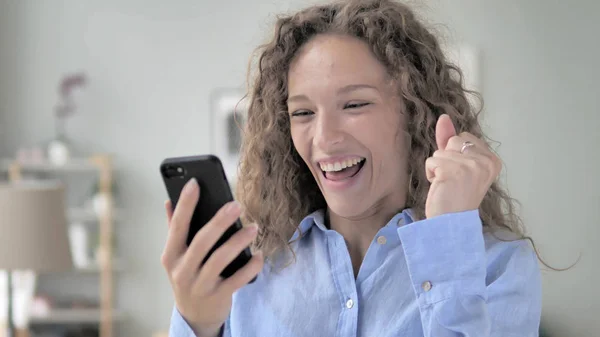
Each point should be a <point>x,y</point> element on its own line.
<point>342,170</point>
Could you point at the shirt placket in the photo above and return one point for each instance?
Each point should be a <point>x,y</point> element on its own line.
<point>343,277</point>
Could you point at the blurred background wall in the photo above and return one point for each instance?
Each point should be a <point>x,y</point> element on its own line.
<point>153,64</point>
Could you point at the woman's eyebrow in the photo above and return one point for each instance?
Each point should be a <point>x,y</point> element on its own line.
<point>342,90</point>
<point>300,97</point>
<point>352,87</point>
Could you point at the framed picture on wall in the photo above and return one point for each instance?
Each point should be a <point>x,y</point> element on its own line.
<point>228,116</point>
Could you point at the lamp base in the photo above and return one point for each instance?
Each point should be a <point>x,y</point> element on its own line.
<point>19,290</point>
<point>9,300</point>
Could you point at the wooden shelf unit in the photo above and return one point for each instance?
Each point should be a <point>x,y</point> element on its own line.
<point>100,164</point>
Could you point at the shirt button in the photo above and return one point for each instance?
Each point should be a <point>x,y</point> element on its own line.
<point>426,285</point>
<point>381,240</point>
<point>349,304</point>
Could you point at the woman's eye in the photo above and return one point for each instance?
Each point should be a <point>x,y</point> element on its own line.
<point>355,105</point>
<point>299,113</point>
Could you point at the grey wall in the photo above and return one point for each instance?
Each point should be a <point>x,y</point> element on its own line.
<point>153,64</point>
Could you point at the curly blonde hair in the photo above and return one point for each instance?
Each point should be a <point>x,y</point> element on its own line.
<point>276,187</point>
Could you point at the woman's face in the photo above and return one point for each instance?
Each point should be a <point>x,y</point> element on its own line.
<point>346,124</point>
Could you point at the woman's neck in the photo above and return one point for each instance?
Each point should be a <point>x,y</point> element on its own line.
<point>359,232</point>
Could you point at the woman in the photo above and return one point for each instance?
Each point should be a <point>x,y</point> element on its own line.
<point>374,192</point>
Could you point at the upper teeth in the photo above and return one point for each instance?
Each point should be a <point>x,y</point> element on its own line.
<point>338,166</point>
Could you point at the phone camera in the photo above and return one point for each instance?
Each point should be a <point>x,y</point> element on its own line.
<point>174,172</point>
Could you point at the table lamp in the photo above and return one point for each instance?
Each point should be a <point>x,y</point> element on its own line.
<point>33,231</point>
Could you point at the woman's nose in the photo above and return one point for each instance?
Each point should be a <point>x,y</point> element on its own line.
<point>328,131</point>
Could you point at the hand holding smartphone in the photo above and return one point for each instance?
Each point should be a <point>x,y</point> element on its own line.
<point>207,255</point>
<point>215,193</point>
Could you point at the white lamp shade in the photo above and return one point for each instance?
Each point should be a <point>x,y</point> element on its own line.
<point>33,227</point>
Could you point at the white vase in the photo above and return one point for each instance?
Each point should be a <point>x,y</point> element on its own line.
<point>58,152</point>
<point>100,203</point>
<point>79,241</point>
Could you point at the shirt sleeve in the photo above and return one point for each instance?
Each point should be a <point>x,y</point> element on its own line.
<point>457,293</point>
<point>180,328</point>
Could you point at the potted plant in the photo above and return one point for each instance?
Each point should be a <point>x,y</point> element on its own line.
<point>59,149</point>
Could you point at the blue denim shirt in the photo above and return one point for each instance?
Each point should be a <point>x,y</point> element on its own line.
<point>436,277</point>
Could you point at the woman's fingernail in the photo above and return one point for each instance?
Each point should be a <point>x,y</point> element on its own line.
<point>253,228</point>
<point>233,207</point>
<point>190,186</point>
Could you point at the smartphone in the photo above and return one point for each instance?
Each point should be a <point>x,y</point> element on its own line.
<point>215,192</point>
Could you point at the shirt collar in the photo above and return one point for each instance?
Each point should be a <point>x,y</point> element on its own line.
<point>317,219</point>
